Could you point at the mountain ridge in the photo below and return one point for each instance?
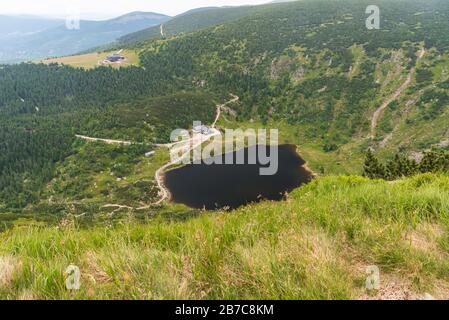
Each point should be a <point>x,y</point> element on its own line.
<point>57,40</point>
<point>190,21</point>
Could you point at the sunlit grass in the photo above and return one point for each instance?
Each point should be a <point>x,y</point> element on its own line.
<point>315,245</point>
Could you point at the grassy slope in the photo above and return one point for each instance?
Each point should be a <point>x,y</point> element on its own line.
<point>347,160</point>
<point>315,245</point>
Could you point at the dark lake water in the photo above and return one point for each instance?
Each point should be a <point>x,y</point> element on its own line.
<point>218,186</point>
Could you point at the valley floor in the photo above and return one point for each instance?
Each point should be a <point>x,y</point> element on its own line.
<point>316,245</point>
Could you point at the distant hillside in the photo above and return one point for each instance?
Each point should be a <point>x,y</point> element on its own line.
<point>189,21</point>
<point>38,39</point>
<point>15,26</point>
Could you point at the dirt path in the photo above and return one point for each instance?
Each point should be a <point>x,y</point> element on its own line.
<point>379,112</point>
<point>217,117</point>
<point>221,106</point>
<point>186,147</point>
<point>107,141</point>
<point>162,31</point>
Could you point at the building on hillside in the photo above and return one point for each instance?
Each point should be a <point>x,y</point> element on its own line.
<point>202,129</point>
<point>114,58</point>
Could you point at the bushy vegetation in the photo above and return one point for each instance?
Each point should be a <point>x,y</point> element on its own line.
<point>313,62</point>
<point>402,166</point>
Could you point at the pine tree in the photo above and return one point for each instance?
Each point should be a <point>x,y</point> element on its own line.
<point>401,167</point>
<point>434,161</point>
<point>373,169</point>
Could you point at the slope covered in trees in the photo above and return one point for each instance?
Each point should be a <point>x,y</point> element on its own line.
<point>310,66</point>
<point>44,107</point>
<point>303,48</point>
<point>190,21</point>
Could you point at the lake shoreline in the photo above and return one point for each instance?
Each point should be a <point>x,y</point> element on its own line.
<point>215,186</point>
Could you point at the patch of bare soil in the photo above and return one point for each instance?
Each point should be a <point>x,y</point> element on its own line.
<point>9,267</point>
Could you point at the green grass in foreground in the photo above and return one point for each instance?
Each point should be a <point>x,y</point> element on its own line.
<point>315,245</point>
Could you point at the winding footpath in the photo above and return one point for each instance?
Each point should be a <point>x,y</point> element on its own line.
<point>221,106</point>
<point>186,147</point>
<point>107,141</point>
<point>379,112</point>
<point>162,31</point>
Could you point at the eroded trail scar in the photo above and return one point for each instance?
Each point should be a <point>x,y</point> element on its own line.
<point>379,112</point>
<point>221,106</point>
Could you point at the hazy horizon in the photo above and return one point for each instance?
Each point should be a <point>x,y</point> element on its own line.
<point>101,9</point>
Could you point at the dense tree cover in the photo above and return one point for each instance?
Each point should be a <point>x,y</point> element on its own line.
<point>149,119</point>
<point>29,148</point>
<point>308,62</point>
<point>43,107</point>
<point>55,88</point>
<point>402,166</point>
